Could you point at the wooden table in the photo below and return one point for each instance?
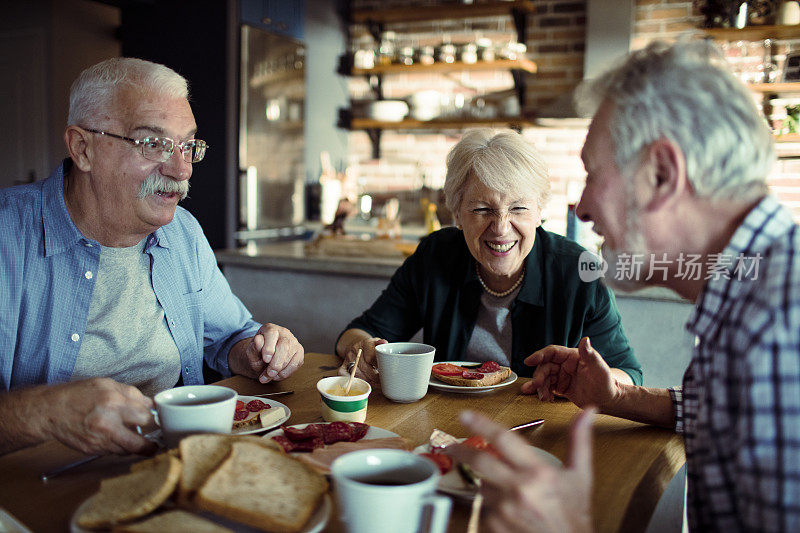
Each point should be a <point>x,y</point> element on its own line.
<point>633,463</point>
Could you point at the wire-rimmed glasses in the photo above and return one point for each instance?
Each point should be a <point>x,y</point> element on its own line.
<point>160,149</point>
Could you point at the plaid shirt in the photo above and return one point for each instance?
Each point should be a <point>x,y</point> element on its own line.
<point>739,408</point>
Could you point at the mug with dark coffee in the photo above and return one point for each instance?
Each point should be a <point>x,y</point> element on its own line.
<point>389,491</point>
<point>194,409</point>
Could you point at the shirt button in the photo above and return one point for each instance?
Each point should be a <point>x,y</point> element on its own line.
<point>75,337</point>
<point>88,274</point>
<point>186,369</point>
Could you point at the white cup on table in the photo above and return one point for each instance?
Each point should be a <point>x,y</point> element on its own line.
<point>193,409</point>
<point>389,491</point>
<point>405,370</point>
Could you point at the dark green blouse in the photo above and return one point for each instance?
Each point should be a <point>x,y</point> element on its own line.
<point>437,289</point>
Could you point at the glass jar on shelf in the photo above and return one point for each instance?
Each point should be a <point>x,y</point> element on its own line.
<point>387,48</point>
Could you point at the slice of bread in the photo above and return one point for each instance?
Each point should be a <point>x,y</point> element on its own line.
<point>263,488</point>
<point>176,520</point>
<point>491,378</point>
<point>202,454</point>
<point>132,495</point>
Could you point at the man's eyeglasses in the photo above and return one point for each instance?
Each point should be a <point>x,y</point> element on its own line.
<point>160,149</point>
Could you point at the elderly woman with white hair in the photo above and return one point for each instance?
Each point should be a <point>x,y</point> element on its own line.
<point>497,287</point>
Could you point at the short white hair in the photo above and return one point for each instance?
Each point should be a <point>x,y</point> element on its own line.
<point>685,92</point>
<point>502,160</point>
<point>96,87</point>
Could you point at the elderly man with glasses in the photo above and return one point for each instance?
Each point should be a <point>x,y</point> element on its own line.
<point>110,291</point>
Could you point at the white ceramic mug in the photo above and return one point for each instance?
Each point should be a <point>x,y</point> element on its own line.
<point>389,491</point>
<point>405,370</point>
<point>194,409</point>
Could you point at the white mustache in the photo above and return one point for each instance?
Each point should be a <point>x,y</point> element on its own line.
<point>156,182</point>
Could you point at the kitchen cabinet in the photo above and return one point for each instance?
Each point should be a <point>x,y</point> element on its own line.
<point>377,20</point>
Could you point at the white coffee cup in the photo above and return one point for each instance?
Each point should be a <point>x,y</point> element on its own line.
<point>405,370</point>
<point>388,491</point>
<point>194,409</point>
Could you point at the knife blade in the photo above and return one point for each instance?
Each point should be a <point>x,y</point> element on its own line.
<point>532,423</point>
<point>279,393</point>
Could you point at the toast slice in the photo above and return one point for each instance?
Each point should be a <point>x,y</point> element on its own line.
<point>202,454</point>
<point>263,488</point>
<point>487,378</point>
<point>131,495</point>
<point>176,520</point>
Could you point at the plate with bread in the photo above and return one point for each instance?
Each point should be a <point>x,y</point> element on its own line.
<point>211,483</point>
<point>470,377</point>
<point>254,415</point>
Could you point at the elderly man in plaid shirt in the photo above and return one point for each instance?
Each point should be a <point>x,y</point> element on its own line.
<point>676,160</point>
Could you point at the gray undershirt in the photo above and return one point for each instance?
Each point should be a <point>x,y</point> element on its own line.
<point>126,337</point>
<point>491,338</point>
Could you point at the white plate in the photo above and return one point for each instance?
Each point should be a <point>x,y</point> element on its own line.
<point>271,403</point>
<point>436,384</point>
<point>372,433</point>
<point>316,523</point>
<point>452,483</point>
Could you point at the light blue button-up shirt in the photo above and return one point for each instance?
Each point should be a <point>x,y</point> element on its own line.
<point>47,277</point>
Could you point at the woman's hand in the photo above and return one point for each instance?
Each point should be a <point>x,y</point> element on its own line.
<point>368,364</point>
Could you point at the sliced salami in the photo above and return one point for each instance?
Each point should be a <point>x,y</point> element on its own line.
<point>471,375</point>
<point>337,432</point>
<point>255,406</point>
<point>240,414</point>
<point>296,434</point>
<point>287,445</point>
<point>488,367</point>
<point>359,430</point>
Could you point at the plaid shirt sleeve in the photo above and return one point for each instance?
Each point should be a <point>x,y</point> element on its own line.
<point>676,395</point>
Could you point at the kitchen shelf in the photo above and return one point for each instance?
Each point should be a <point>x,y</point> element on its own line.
<point>525,65</point>
<point>423,13</point>
<point>753,33</point>
<point>439,124</point>
<point>775,88</point>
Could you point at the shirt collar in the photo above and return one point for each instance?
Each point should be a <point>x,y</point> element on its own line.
<point>60,233</point>
<point>764,224</point>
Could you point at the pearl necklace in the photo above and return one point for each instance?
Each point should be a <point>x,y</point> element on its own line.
<point>495,293</point>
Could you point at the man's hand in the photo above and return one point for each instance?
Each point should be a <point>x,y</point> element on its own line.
<point>521,490</point>
<point>272,354</point>
<point>580,374</point>
<point>95,416</point>
<point>369,360</point>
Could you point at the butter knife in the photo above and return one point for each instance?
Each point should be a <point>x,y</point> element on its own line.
<point>532,423</point>
<point>279,393</point>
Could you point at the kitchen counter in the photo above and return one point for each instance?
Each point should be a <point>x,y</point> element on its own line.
<point>292,255</point>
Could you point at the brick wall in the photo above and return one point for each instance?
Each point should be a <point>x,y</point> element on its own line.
<point>555,41</point>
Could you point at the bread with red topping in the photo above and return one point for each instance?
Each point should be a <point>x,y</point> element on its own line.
<point>489,373</point>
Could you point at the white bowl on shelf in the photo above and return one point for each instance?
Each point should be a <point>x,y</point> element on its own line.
<point>387,110</point>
